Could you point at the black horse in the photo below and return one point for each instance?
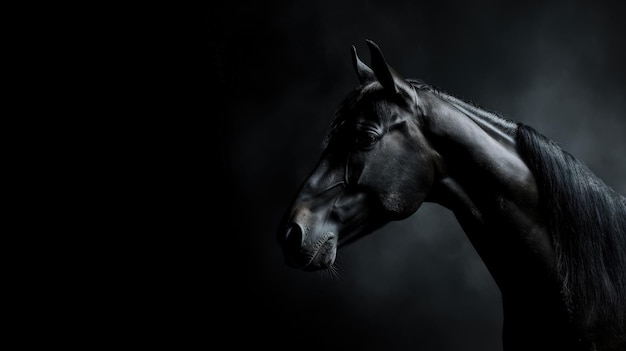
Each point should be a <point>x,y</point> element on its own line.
<point>551,233</point>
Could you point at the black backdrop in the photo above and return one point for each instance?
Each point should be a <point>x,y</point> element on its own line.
<point>278,71</point>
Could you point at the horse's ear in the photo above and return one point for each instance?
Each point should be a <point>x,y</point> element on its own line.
<point>386,75</point>
<point>364,73</point>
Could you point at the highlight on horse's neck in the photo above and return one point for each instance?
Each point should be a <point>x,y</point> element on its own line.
<point>501,129</point>
<point>485,138</point>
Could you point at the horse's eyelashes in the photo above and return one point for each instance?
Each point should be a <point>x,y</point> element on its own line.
<point>366,138</point>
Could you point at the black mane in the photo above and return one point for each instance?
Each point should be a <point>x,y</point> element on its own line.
<point>587,221</point>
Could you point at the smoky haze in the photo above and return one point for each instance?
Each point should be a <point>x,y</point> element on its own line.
<point>283,67</point>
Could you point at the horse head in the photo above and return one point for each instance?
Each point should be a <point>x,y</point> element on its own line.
<point>376,167</point>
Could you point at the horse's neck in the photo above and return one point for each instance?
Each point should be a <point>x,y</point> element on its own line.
<point>497,127</point>
<point>488,186</point>
<point>478,150</point>
<point>494,196</point>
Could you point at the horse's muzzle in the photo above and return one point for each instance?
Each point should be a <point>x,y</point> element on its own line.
<point>307,253</point>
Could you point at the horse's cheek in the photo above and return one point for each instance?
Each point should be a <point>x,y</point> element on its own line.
<point>401,193</point>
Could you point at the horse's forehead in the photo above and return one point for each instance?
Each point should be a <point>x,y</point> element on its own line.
<point>377,106</point>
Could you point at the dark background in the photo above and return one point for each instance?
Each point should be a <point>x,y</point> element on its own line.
<point>282,67</point>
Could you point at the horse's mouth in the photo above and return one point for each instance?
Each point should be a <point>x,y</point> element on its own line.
<point>325,254</point>
<point>346,239</point>
<point>351,234</point>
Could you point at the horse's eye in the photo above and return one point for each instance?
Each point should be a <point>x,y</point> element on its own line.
<point>366,138</point>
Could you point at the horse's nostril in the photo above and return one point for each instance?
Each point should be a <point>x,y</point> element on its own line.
<point>294,236</point>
